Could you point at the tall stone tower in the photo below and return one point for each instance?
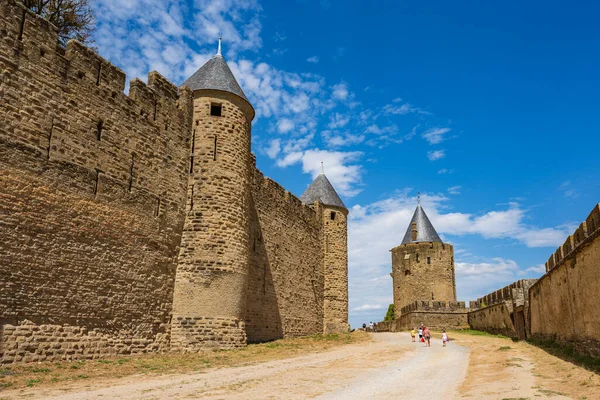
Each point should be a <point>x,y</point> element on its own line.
<point>211,278</point>
<point>422,266</point>
<point>335,252</point>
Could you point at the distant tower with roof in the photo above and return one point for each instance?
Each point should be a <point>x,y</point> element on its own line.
<point>422,266</point>
<point>335,252</point>
<point>211,279</point>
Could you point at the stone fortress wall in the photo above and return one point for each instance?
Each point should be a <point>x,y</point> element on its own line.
<point>564,302</point>
<point>97,188</point>
<point>436,315</point>
<point>503,311</point>
<point>285,293</point>
<point>92,202</point>
<point>560,306</point>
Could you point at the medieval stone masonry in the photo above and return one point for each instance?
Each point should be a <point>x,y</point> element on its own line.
<point>559,307</point>
<point>139,223</point>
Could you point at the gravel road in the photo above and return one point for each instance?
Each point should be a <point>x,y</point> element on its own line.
<point>389,367</point>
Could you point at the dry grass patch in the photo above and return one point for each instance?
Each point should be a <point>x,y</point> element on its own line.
<point>519,369</point>
<point>49,374</point>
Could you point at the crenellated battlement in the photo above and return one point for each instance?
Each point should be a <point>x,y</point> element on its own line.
<point>279,193</point>
<point>433,306</point>
<point>68,105</point>
<point>587,230</point>
<point>501,295</point>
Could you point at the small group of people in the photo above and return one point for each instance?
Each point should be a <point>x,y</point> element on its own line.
<point>372,326</point>
<point>425,335</point>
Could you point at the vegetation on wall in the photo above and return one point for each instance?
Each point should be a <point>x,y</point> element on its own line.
<point>389,315</point>
<point>73,18</point>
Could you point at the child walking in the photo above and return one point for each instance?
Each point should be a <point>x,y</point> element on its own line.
<point>412,334</point>
<point>444,337</point>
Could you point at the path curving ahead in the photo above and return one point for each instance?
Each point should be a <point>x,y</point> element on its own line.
<point>390,367</point>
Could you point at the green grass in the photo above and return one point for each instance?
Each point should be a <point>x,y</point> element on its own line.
<point>504,348</point>
<point>41,370</point>
<point>567,352</point>
<point>549,392</point>
<point>31,382</point>
<point>481,333</point>
<point>516,398</point>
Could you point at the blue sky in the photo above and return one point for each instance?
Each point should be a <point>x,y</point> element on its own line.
<point>489,109</point>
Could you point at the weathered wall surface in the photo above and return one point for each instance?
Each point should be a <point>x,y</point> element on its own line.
<point>423,271</point>
<point>335,267</point>
<point>92,201</point>
<point>435,315</point>
<point>503,311</point>
<point>210,286</point>
<point>285,284</point>
<point>564,302</point>
<point>494,319</point>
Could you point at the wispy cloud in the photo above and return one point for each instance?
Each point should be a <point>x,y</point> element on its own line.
<point>434,155</point>
<point>568,190</point>
<point>454,189</point>
<point>313,59</point>
<point>435,135</point>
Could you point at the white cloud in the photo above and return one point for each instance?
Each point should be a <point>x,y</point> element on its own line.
<point>285,125</point>
<point>337,120</point>
<point>340,91</point>
<point>401,109</point>
<point>341,168</point>
<point>369,307</point>
<point>445,171</point>
<point>342,139</point>
<point>436,154</point>
<point>435,135</point>
<point>159,35</point>
<point>454,189</point>
<point>313,59</point>
<point>274,148</point>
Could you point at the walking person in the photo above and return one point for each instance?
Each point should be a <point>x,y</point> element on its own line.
<point>371,326</point>
<point>412,334</point>
<point>427,336</point>
<point>444,338</point>
<point>421,333</point>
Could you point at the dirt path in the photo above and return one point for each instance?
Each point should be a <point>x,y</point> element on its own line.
<point>389,365</point>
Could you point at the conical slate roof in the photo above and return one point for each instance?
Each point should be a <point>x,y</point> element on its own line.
<point>322,190</point>
<point>215,75</point>
<point>425,231</point>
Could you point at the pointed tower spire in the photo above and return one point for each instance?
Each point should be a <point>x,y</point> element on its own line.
<point>420,228</point>
<point>322,190</point>
<point>219,49</point>
<point>322,168</point>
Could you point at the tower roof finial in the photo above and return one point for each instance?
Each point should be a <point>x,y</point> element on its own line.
<point>419,198</point>
<point>219,49</point>
<point>322,168</point>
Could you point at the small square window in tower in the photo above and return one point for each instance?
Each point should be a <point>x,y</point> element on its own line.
<point>428,260</point>
<point>215,109</point>
<point>332,215</point>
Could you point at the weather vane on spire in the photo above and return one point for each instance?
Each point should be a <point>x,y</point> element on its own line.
<point>418,197</point>
<point>322,168</point>
<point>219,50</point>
